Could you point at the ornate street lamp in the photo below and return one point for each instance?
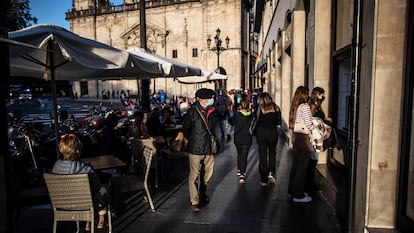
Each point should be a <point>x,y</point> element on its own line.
<point>218,48</point>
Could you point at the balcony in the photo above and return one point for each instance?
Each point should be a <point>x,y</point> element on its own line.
<point>110,9</point>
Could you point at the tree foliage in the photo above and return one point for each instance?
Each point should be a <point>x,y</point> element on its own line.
<point>18,15</point>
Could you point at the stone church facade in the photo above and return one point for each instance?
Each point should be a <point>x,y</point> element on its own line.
<point>176,29</point>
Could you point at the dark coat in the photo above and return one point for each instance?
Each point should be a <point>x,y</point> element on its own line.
<point>195,131</point>
<point>241,124</point>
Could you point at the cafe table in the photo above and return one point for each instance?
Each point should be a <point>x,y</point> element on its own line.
<point>102,162</point>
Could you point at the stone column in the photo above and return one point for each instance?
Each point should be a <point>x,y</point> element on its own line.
<point>322,55</point>
<point>286,86</point>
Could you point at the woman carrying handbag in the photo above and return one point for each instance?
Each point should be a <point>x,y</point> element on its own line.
<point>300,120</point>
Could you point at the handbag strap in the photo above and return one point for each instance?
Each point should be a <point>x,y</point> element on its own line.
<point>204,120</point>
<point>258,113</point>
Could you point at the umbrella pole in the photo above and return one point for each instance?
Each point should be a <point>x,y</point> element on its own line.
<point>53,84</point>
<point>55,111</point>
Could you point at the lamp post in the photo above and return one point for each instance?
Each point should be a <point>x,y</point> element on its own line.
<point>218,48</point>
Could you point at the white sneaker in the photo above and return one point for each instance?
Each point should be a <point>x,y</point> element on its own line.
<point>303,199</point>
<point>238,173</point>
<point>271,178</point>
<point>242,179</point>
<point>88,226</point>
<point>264,185</point>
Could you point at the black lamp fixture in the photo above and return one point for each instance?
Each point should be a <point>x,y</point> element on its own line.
<point>218,48</point>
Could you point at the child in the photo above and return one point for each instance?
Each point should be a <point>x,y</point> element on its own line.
<point>242,138</point>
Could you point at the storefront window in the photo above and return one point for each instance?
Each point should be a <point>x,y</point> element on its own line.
<point>344,93</point>
<point>342,96</point>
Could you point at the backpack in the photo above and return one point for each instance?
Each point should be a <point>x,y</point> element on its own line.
<point>221,106</point>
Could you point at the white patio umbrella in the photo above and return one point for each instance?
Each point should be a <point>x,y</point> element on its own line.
<point>58,54</point>
<point>206,76</point>
<point>63,55</point>
<point>170,67</point>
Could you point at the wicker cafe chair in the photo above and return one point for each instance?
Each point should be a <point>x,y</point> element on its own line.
<point>134,182</point>
<point>72,199</point>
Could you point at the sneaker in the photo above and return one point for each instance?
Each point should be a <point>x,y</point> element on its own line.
<point>242,179</point>
<point>304,199</point>
<point>195,208</point>
<point>271,178</point>
<point>263,184</point>
<point>100,225</point>
<point>238,173</point>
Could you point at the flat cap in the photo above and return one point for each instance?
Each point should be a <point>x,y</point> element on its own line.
<point>205,93</point>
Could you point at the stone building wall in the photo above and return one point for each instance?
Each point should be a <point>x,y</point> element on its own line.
<point>180,25</point>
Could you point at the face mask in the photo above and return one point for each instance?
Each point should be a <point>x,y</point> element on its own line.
<point>210,102</point>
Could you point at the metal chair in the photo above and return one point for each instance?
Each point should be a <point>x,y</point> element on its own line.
<point>137,150</point>
<point>71,199</point>
<point>135,182</point>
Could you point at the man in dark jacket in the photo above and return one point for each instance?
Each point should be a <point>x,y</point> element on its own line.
<point>199,146</point>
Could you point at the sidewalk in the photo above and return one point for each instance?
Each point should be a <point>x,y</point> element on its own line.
<point>233,208</point>
<point>238,207</point>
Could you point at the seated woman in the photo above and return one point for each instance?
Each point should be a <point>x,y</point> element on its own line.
<point>153,122</point>
<point>166,120</point>
<point>70,147</point>
<point>138,129</point>
<point>112,143</point>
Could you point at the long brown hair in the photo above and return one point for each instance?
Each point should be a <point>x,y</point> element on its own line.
<point>266,103</point>
<point>301,96</point>
<point>315,102</point>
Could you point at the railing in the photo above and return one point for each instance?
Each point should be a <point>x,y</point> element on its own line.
<point>110,9</point>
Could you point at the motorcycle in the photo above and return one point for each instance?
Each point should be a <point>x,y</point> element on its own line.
<point>23,148</point>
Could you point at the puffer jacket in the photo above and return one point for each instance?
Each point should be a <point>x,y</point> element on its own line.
<point>70,167</point>
<point>195,131</point>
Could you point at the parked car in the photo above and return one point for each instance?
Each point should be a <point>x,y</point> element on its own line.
<point>25,94</point>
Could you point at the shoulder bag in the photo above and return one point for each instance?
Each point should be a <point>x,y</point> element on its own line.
<point>301,128</point>
<point>253,123</point>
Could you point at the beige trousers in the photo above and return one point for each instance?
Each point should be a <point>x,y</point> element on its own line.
<point>199,164</point>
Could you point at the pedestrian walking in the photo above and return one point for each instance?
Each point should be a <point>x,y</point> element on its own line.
<point>300,115</point>
<point>267,137</point>
<point>200,157</point>
<point>224,108</point>
<point>242,139</point>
